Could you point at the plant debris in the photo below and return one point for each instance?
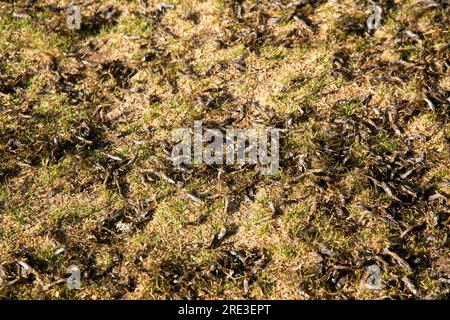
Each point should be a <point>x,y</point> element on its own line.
<point>359,208</point>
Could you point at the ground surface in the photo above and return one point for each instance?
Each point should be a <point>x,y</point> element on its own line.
<point>86,178</point>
